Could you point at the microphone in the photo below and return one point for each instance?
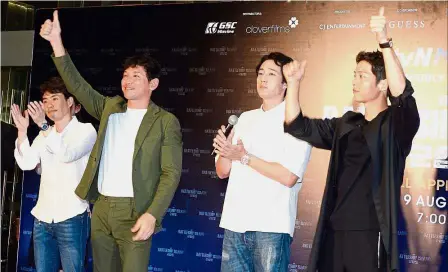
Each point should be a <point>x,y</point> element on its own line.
<point>233,119</point>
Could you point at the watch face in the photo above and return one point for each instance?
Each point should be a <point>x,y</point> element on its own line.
<point>245,160</point>
<point>44,126</point>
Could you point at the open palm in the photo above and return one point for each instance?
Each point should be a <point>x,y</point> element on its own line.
<point>21,121</point>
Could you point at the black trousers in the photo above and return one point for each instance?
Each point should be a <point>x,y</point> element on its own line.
<point>352,251</point>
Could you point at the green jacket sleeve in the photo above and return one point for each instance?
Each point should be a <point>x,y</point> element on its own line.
<point>92,100</point>
<point>171,165</point>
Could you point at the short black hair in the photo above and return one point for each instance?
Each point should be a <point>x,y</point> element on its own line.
<point>149,64</point>
<point>55,85</point>
<point>376,61</point>
<point>279,59</point>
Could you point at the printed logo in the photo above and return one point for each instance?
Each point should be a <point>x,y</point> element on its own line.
<point>220,28</point>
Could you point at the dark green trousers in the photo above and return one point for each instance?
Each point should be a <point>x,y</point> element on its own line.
<point>112,245</point>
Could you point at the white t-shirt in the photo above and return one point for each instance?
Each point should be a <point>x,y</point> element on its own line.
<point>255,202</point>
<point>115,173</point>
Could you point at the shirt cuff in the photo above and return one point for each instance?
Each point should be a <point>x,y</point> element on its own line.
<point>296,125</point>
<point>62,59</point>
<point>408,91</point>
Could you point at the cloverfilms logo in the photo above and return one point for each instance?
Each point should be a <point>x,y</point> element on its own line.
<point>220,28</point>
<point>293,22</point>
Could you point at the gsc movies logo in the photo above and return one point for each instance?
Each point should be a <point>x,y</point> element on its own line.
<point>220,28</point>
<point>292,23</point>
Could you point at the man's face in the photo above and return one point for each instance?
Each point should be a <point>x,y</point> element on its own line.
<point>135,83</point>
<point>56,106</point>
<point>269,80</point>
<point>364,84</point>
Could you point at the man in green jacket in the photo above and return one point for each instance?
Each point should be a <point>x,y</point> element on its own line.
<point>136,162</point>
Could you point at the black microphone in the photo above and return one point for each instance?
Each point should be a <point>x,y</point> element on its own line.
<point>233,119</point>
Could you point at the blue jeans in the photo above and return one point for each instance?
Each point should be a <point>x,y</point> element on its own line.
<point>64,241</point>
<point>255,251</point>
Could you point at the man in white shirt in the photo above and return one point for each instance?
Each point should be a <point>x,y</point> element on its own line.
<point>61,222</point>
<point>265,167</point>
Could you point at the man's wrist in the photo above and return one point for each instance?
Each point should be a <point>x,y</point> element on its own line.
<point>58,48</point>
<point>151,216</point>
<point>43,125</point>
<point>224,158</point>
<point>22,134</point>
<point>40,123</point>
<point>245,159</point>
<point>385,43</point>
<point>56,42</point>
<point>293,83</point>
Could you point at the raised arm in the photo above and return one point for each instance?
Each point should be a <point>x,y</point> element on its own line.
<point>92,100</point>
<point>405,116</point>
<point>27,157</point>
<point>319,133</point>
<point>293,73</point>
<point>396,79</point>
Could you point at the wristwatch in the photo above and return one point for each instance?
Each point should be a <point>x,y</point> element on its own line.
<point>387,44</point>
<point>44,126</point>
<point>245,159</point>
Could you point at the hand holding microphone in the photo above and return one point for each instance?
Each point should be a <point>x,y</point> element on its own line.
<point>225,134</point>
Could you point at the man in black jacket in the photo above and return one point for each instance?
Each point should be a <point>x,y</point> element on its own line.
<point>357,228</point>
